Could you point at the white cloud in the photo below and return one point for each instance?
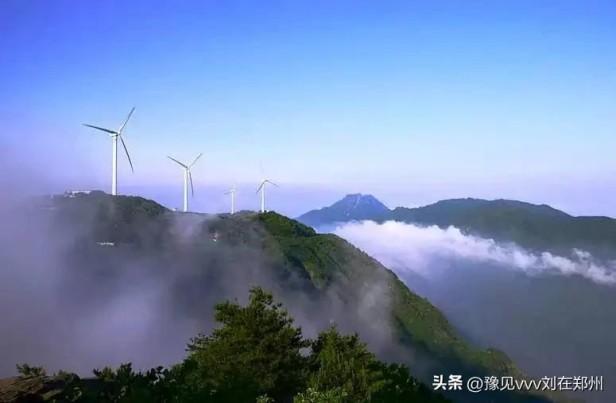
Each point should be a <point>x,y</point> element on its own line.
<point>405,246</point>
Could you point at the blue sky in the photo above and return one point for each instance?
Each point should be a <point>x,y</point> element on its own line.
<point>411,101</point>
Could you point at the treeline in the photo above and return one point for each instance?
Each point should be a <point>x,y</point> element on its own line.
<point>255,355</point>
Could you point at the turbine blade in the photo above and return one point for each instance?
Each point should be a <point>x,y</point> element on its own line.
<point>101,129</point>
<point>271,183</point>
<point>176,161</point>
<point>260,186</point>
<point>193,163</point>
<point>127,154</point>
<point>192,189</point>
<point>126,121</point>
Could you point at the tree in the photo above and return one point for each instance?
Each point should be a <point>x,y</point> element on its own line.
<point>399,386</point>
<point>254,356</point>
<point>256,351</point>
<point>27,370</point>
<point>343,370</point>
<point>312,395</point>
<point>343,362</point>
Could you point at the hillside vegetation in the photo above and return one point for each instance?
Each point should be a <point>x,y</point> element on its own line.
<point>320,276</point>
<point>257,354</point>
<point>538,227</point>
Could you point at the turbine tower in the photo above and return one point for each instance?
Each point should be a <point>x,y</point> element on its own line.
<point>115,135</point>
<point>187,178</point>
<point>262,189</point>
<point>232,193</point>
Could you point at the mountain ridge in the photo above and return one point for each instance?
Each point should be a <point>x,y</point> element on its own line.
<point>321,266</point>
<point>533,226</point>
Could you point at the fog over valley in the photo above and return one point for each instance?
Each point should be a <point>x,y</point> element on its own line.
<point>552,314</point>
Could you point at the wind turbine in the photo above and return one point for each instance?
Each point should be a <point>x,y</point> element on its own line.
<point>114,140</point>
<point>187,177</point>
<point>232,193</point>
<point>262,189</point>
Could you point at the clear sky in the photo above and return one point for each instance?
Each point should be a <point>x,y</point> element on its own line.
<point>411,101</point>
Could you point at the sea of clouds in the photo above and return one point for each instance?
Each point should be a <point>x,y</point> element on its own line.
<point>406,246</point>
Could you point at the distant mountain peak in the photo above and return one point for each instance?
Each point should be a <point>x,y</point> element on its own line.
<point>360,198</point>
<point>356,201</point>
<point>354,206</point>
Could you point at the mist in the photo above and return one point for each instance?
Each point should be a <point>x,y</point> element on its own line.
<point>397,244</point>
<point>553,315</point>
<point>69,302</point>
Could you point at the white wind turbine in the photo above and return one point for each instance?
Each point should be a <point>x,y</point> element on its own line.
<point>232,193</point>
<point>114,139</point>
<point>262,189</point>
<point>187,178</point>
